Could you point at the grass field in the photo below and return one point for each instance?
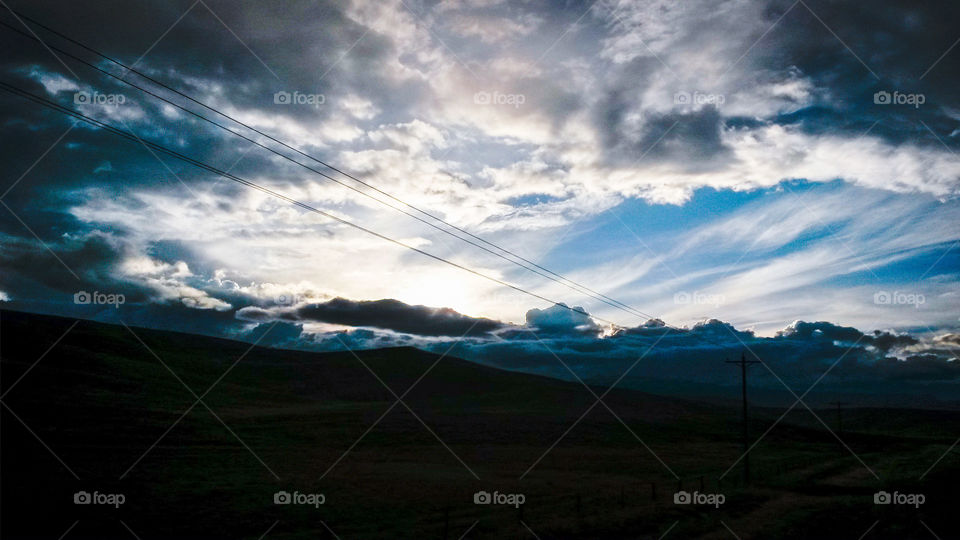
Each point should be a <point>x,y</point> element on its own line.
<point>120,416</point>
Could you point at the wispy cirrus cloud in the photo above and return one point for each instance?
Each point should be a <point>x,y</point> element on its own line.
<point>730,150</point>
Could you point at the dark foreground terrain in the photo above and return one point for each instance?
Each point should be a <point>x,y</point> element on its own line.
<point>111,411</point>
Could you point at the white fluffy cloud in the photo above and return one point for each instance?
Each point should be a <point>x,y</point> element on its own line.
<point>528,123</point>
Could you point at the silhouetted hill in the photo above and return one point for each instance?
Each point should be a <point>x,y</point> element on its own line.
<point>99,407</point>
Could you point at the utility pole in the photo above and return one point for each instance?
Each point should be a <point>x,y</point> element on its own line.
<point>743,362</point>
<point>839,405</point>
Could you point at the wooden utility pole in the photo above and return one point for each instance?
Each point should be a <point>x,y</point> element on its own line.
<point>839,405</point>
<point>743,362</point>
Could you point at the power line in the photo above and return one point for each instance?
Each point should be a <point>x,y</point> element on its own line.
<point>210,168</point>
<point>71,56</point>
<point>570,283</point>
<point>534,267</point>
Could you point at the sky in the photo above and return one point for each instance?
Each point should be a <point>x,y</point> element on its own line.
<point>734,171</point>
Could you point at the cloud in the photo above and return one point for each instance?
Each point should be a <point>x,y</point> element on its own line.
<point>824,196</point>
<point>563,320</point>
<point>106,263</point>
<point>823,330</point>
<point>168,282</point>
<point>870,367</point>
<point>385,314</point>
<point>949,339</point>
<point>490,29</point>
<point>921,367</point>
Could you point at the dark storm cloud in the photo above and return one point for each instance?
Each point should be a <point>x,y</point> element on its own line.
<point>896,41</point>
<point>662,359</point>
<point>885,47</point>
<point>49,282</point>
<point>199,55</point>
<point>90,259</point>
<point>286,41</point>
<point>386,314</point>
<point>826,331</point>
<point>355,340</point>
<point>75,170</point>
<point>691,136</point>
